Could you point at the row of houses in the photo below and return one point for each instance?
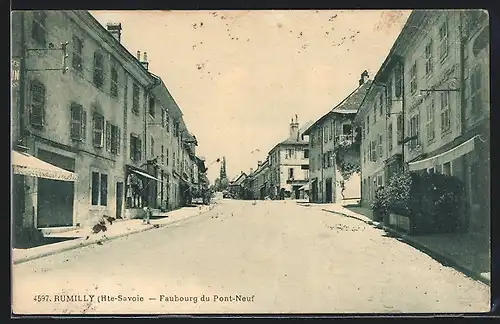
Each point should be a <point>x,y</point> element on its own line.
<point>87,111</point>
<point>284,172</point>
<point>426,108</point>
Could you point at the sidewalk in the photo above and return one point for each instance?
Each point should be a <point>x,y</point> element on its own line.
<point>83,237</point>
<point>459,250</point>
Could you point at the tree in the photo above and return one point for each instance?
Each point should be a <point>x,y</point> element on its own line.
<point>222,182</point>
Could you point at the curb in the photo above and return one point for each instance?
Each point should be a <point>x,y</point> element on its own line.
<point>445,260</point>
<point>94,241</point>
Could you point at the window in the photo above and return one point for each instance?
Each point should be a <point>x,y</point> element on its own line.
<point>98,130</point>
<point>414,131</point>
<point>115,139</point>
<point>173,160</point>
<point>78,121</point>
<point>168,155</point>
<point>98,69</point>
<point>108,136</point>
<point>167,122</point>
<point>152,106</point>
<point>443,40</point>
<point>77,61</point>
<point>374,113</point>
<point>104,190</point>
<point>429,126</point>
<point>114,82</point>
<point>289,153</point>
<point>381,104</point>
<point>389,138</point>
<point>177,129</point>
<point>475,89</point>
<point>363,130</point>
<point>398,73</point>
<point>306,174</point>
<point>37,104</point>
<point>364,155</point>
<point>413,78</point>
<point>99,189</point>
<point>325,133</point>
<point>135,99</point>
<point>332,128</point>
<point>367,125</point>
<point>380,147</point>
<point>290,173</point>
<point>152,146</point>
<point>135,147</point>
<point>347,129</point>
<point>38,29</point>
<point>162,158</point>
<point>306,153</point>
<point>373,153</point>
<point>312,140</point>
<point>445,112</point>
<point>389,95</point>
<point>447,168</point>
<point>163,117</point>
<point>428,58</point>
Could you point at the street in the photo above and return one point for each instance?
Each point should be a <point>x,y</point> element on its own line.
<point>247,257</point>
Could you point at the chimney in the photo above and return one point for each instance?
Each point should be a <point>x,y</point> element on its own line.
<point>115,29</point>
<point>251,170</point>
<point>294,129</point>
<point>259,163</point>
<point>139,56</point>
<point>364,77</point>
<point>144,61</point>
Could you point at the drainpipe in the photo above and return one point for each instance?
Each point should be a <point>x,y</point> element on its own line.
<point>463,106</point>
<point>403,104</point>
<point>22,75</point>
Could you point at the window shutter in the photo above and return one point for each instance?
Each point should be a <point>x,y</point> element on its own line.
<point>84,126</point>
<point>138,149</point>
<point>108,136</point>
<point>37,106</point>
<point>74,126</point>
<point>118,140</point>
<point>132,148</point>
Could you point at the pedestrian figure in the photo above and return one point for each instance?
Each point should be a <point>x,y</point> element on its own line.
<point>147,214</point>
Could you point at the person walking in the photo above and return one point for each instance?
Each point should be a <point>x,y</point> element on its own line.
<point>147,213</point>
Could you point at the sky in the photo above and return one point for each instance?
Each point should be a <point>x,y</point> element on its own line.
<point>240,76</point>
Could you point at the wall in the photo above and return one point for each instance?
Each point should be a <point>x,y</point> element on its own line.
<point>444,69</point>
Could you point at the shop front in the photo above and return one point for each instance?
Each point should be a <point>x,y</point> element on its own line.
<point>140,191</point>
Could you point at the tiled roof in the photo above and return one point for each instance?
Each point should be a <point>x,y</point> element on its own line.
<point>349,105</point>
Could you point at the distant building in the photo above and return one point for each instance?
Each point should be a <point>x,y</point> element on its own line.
<point>236,186</point>
<point>333,147</point>
<point>289,164</point>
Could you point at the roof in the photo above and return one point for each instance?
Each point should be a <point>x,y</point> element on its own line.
<point>240,179</point>
<point>349,105</point>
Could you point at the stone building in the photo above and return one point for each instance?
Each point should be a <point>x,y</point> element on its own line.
<point>438,74</point>
<point>289,164</point>
<point>85,104</point>
<point>333,145</point>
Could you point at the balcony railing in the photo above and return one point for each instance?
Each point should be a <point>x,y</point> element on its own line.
<point>344,140</point>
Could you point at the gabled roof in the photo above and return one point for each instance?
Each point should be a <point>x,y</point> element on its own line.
<point>240,179</point>
<point>349,105</point>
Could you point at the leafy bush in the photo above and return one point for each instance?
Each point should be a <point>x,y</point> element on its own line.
<point>432,201</point>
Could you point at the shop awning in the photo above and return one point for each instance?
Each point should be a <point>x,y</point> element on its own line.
<point>445,157</point>
<point>28,165</point>
<point>304,187</point>
<point>144,174</point>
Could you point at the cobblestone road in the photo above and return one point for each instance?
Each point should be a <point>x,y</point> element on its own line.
<point>268,257</point>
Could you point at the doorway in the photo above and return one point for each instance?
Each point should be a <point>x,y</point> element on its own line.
<point>119,199</point>
<point>329,190</point>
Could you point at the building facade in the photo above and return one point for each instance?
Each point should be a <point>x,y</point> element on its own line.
<point>85,104</point>
<point>289,164</point>
<point>439,72</point>
<point>332,145</point>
